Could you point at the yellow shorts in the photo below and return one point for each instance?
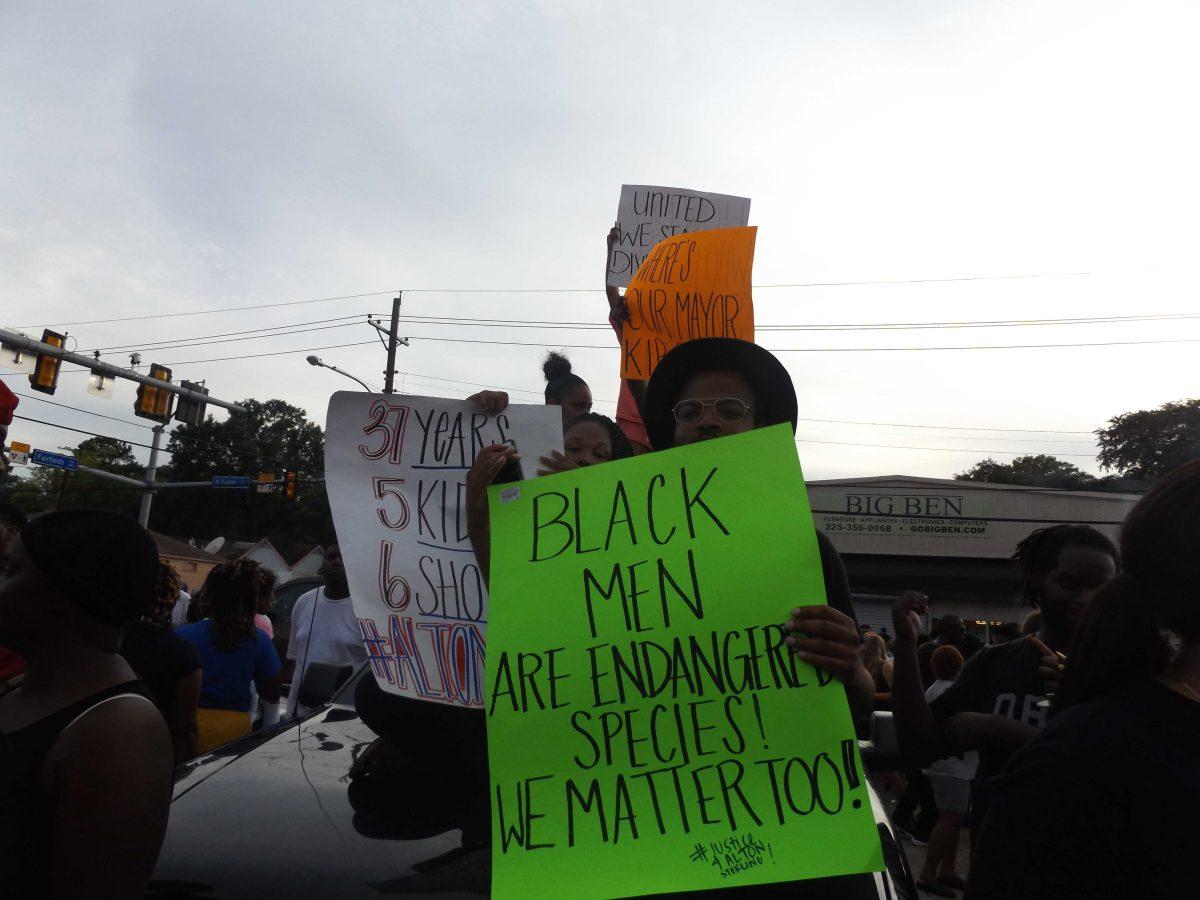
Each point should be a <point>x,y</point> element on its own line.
<point>219,726</point>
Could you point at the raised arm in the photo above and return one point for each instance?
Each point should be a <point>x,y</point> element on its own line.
<point>916,728</point>
<point>483,472</point>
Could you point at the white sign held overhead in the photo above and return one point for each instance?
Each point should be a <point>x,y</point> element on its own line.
<point>646,214</point>
<point>395,471</point>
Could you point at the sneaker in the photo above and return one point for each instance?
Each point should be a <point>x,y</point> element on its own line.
<point>917,842</point>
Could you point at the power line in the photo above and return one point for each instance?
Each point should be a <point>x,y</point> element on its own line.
<point>947,427</point>
<point>545,345</point>
<point>176,433</point>
<point>234,340</point>
<point>189,362</point>
<point>83,431</point>
<point>479,322</point>
<point>943,449</point>
<point>1060,442</point>
<point>145,345</point>
<point>204,312</point>
<point>795,285</point>
<point>85,411</point>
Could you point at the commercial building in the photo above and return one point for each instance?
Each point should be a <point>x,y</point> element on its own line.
<point>952,540</point>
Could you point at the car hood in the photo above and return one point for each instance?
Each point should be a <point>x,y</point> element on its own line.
<point>272,815</point>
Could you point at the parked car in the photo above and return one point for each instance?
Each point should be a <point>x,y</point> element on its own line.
<point>276,814</point>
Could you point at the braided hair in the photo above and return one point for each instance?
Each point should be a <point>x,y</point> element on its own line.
<point>621,447</point>
<point>166,593</point>
<point>1038,553</point>
<point>232,592</point>
<point>560,380</point>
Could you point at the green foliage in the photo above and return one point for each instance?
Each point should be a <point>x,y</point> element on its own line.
<point>1151,442</point>
<point>271,436</point>
<point>47,488</point>
<point>1040,470</point>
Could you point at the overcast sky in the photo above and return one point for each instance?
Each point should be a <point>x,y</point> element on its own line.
<point>166,157</point>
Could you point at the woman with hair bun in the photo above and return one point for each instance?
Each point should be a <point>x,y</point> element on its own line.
<point>564,388</point>
<point>1103,803</point>
<point>234,652</point>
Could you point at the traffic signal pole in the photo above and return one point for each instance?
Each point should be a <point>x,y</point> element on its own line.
<point>151,470</point>
<point>108,370</point>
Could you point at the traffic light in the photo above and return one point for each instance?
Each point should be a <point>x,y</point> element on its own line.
<point>154,403</point>
<point>289,485</point>
<point>188,411</point>
<point>44,376</point>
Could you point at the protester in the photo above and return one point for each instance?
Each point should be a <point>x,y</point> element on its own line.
<point>588,440</point>
<point>166,663</point>
<point>949,631</point>
<point>950,779</point>
<point>713,387</point>
<point>12,520</point>
<point>997,704</point>
<point>233,652</point>
<point>1103,804</point>
<point>8,404</point>
<point>873,652</point>
<point>633,393</point>
<point>324,628</point>
<point>85,757</point>
<point>564,388</point>
<point>261,620</point>
<point>1032,623</point>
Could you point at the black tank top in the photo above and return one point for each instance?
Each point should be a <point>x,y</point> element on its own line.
<point>27,822</point>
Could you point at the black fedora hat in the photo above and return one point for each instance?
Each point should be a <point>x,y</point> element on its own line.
<point>774,395</point>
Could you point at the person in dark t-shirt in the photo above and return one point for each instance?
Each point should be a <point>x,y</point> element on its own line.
<point>1103,803</point>
<point>167,664</point>
<point>998,703</point>
<point>950,631</point>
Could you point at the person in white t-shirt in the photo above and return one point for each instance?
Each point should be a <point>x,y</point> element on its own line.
<point>324,628</point>
<point>179,612</point>
<point>951,779</point>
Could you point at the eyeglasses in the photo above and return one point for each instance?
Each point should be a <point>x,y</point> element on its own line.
<point>727,409</point>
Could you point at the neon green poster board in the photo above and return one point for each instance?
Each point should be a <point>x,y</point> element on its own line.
<point>648,729</point>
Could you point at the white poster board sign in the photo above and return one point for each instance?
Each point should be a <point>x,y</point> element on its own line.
<point>395,471</point>
<point>647,214</point>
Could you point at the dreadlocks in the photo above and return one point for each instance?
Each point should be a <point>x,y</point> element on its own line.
<point>232,591</point>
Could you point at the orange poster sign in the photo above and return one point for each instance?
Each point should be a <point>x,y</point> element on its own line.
<point>693,285</point>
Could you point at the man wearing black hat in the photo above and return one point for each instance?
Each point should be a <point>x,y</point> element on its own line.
<point>713,387</point>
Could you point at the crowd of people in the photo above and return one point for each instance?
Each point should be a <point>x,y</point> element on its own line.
<point>1070,754</point>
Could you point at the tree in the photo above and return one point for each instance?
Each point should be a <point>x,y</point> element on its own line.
<point>58,489</point>
<point>271,436</point>
<point>1040,470</point>
<point>1151,442</point>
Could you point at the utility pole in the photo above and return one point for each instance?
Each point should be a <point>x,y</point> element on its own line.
<point>389,376</point>
<point>151,469</point>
